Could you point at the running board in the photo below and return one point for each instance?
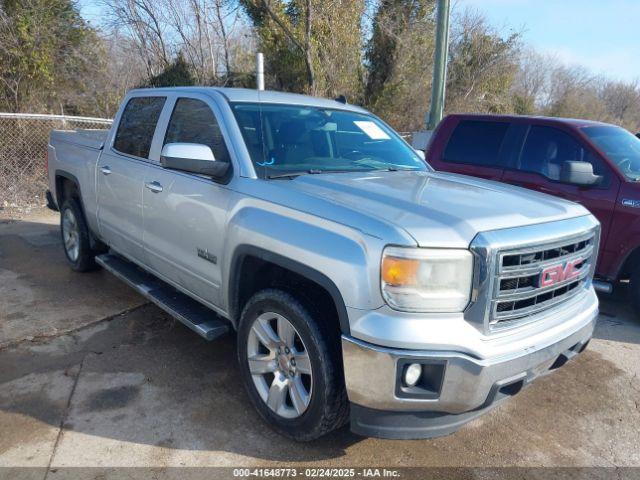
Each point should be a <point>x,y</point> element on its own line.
<point>202,320</point>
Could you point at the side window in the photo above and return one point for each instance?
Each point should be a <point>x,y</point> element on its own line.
<point>547,148</point>
<point>192,121</point>
<point>137,125</point>
<point>476,143</point>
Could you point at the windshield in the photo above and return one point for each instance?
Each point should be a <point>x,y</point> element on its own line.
<point>620,146</point>
<point>293,139</point>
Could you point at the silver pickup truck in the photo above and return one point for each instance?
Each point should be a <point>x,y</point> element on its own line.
<point>362,285</point>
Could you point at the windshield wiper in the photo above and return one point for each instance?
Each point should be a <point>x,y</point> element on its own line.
<point>285,175</point>
<point>397,169</point>
<point>312,171</point>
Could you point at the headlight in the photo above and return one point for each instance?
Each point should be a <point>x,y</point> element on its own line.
<point>426,280</point>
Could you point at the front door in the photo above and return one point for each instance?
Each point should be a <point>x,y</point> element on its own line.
<point>120,176</point>
<point>185,214</point>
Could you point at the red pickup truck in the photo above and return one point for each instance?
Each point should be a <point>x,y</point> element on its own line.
<point>592,163</point>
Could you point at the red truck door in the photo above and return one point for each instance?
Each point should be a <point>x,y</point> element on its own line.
<point>537,167</point>
<point>472,148</point>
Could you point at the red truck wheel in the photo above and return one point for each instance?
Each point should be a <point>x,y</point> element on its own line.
<point>635,288</point>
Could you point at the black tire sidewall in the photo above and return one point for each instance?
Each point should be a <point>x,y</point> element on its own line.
<point>85,260</point>
<point>310,424</point>
<point>634,288</point>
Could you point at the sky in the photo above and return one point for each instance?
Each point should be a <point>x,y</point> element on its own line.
<point>602,35</point>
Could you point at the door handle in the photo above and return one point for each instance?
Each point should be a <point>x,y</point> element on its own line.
<point>155,187</point>
<point>106,170</point>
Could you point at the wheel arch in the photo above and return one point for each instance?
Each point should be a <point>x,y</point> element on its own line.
<point>632,260</point>
<point>237,287</point>
<point>63,178</point>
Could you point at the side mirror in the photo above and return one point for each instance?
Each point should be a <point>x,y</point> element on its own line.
<point>193,158</point>
<point>579,173</point>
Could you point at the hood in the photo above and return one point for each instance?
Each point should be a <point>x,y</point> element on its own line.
<point>437,209</point>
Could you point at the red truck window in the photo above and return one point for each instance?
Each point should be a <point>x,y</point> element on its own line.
<point>476,143</point>
<point>547,148</point>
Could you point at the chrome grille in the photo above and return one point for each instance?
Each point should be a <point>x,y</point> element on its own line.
<point>534,279</point>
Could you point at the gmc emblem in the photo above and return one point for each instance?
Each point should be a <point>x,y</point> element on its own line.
<point>559,273</point>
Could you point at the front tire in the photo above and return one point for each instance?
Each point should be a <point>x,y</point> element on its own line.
<point>291,366</point>
<point>634,288</point>
<point>75,237</point>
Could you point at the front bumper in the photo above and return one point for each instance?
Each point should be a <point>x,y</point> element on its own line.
<point>465,388</point>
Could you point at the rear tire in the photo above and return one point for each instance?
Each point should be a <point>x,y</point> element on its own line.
<point>76,241</point>
<point>314,401</point>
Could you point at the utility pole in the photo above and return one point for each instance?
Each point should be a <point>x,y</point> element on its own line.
<point>439,65</point>
<point>260,71</point>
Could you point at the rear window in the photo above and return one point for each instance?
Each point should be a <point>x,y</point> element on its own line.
<point>476,143</point>
<point>137,125</point>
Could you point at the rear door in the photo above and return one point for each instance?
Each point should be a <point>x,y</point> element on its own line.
<point>476,148</point>
<point>538,165</point>
<point>185,214</point>
<point>120,176</point>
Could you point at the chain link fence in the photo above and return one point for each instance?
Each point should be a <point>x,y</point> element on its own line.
<point>23,150</point>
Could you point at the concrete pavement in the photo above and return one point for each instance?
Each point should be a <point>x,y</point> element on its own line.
<point>91,375</point>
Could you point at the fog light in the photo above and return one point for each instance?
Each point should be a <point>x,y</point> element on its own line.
<point>412,374</point>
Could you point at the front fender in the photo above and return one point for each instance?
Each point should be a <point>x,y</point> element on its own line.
<point>628,246</point>
<point>623,241</point>
<point>343,260</point>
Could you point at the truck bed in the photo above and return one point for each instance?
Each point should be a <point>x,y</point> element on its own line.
<point>74,154</point>
<point>93,139</point>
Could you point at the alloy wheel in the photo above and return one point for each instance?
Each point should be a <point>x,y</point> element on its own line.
<point>70,234</point>
<point>279,365</point>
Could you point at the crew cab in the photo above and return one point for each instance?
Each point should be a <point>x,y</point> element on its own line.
<point>592,163</point>
<point>363,285</point>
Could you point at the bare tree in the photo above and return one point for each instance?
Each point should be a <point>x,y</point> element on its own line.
<point>200,30</point>
<point>531,84</point>
<point>622,102</point>
<point>142,20</point>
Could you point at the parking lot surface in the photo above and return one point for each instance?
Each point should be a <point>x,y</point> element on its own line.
<point>92,375</point>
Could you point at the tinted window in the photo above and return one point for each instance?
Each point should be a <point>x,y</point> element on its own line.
<point>137,125</point>
<point>192,121</point>
<point>283,139</point>
<point>547,148</point>
<point>476,143</point>
<point>620,146</point>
